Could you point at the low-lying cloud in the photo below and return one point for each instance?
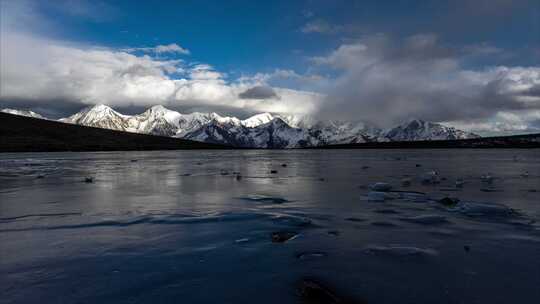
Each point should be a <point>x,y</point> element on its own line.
<point>259,92</point>
<point>388,81</point>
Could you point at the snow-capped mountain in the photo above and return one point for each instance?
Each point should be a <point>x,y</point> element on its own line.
<point>263,130</point>
<point>100,116</point>
<point>27,113</point>
<point>417,129</point>
<point>275,133</point>
<point>157,120</point>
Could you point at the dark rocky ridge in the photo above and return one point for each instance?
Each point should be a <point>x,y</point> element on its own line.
<point>25,134</point>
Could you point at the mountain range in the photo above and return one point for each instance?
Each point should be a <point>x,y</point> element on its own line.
<point>264,130</point>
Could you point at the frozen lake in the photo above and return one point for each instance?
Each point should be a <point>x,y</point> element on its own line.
<point>182,227</point>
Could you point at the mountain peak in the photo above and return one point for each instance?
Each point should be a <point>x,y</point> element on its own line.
<point>99,108</point>
<point>257,120</point>
<point>414,122</point>
<point>417,129</point>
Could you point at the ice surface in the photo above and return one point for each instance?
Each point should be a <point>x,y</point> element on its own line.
<point>170,228</point>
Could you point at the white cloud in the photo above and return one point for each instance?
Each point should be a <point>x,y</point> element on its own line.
<point>161,49</point>
<point>40,70</point>
<point>321,26</point>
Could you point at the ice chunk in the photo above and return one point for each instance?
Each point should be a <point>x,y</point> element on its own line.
<point>487,178</point>
<point>377,196</point>
<point>312,254</point>
<point>431,178</point>
<point>484,209</point>
<point>382,187</point>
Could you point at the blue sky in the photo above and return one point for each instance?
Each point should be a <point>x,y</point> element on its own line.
<point>255,35</point>
<point>316,55</point>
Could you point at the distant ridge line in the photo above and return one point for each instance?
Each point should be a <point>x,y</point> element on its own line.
<point>526,141</point>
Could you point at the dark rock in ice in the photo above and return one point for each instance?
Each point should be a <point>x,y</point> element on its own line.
<point>333,232</point>
<point>238,177</point>
<point>400,251</point>
<point>313,292</point>
<point>430,219</point>
<point>185,174</point>
<point>283,236</point>
<point>199,163</point>
<point>273,171</point>
<point>418,165</point>
<point>134,160</point>
<point>265,199</point>
<point>381,187</point>
<point>490,189</point>
<point>448,201</point>
<point>365,167</point>
<point>40,176</point>
<point>284,165</point>
<point>406,182</point>
<point>383,224</point>
<point>532,190</point>
<point>386,211</point>
<point>88,180</point>
<point>467,248</point>
<point>354,219</point>
<point>310,254</point>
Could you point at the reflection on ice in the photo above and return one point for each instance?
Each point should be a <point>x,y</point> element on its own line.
<point>172,225</point>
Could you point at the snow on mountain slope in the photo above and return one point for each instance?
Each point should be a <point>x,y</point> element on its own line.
<point>417,129</point>
<point>100,116</point>
<point>157,120</point>
<point>298,121</point>
<point>257,120</point>
<point>274,134</point>
<point>194,121</point>
<point>27,113</point>
<point>342,132</point>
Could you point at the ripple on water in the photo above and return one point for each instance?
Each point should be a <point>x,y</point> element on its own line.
<point>429,219</point>
<point>399,251</point>
<point>265,199</point>
<point>171,219</point>
<point>473,209</point>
